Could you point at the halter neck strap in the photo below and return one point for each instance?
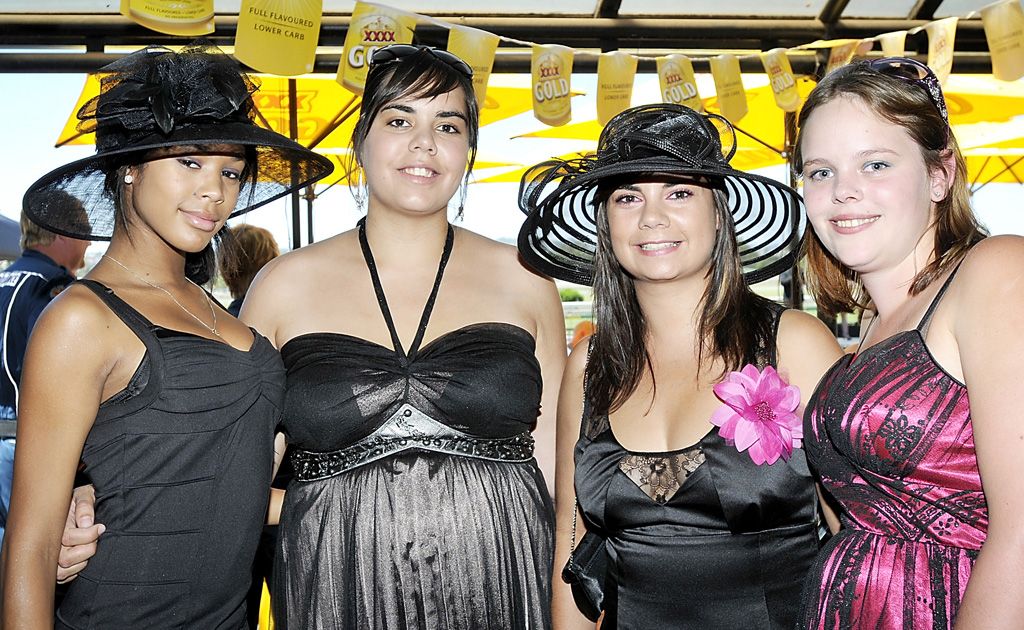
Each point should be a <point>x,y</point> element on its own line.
<point>382,301</point>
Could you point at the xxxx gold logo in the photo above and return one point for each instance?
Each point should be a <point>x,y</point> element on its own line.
<point>677,90</point>
<point>379,32</point>
<point>550,83</point>
<point>549,70</point>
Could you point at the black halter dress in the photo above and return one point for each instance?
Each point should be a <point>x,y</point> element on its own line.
<point>416,501</point>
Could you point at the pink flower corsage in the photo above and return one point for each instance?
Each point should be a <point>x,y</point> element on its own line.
<point>759,415</point>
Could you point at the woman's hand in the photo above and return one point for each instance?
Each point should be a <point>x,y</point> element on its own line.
<point>78,543</point>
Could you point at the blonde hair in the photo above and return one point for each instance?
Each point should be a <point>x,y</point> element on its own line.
<point>33,235</point>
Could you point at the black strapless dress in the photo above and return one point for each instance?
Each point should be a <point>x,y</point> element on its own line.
<point>699,537</point>
<point>416,501</point>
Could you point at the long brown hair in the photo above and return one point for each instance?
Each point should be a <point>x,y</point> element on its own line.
<point>838,288</point>
<point>734,325</point>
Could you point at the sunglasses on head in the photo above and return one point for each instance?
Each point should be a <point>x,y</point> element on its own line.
<point>397,52</point>
<point>916,73</point>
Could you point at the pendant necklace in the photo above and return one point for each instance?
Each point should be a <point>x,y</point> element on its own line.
<point>209,302</point>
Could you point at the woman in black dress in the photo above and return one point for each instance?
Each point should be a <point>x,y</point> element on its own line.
<point>169,401</point>
<point>680,435</point>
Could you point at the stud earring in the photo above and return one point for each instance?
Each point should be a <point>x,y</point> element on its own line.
<point>128,179</point>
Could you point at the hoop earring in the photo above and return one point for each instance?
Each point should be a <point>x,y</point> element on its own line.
<point>128,179</point>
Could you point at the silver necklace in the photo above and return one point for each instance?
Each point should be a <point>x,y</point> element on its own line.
<point>209,302</point>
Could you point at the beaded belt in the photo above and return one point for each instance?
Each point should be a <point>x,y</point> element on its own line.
<point>407,429</point>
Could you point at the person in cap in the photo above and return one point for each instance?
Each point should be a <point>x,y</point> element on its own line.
<point>679,419</point>
<point>168,401</point>
<point>917,437</point>
<point>47,265</point>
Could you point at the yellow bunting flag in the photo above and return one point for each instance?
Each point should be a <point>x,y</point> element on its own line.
<point>551,68</point>
<point>732,100</point>
<point>371,27</point>
<point>278,36</point>
<point>894,44</point>
<point>678,85</point>
<point>780,73</point>
<point>1004,30</point>
<point>476,48</point>
<point>941,34</point>
<point>190,18</point>
<point>841,54</point>
<point>615,73</point>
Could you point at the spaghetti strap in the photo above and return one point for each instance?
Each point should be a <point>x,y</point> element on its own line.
<point>922,327</point>
<point>136,321</point>
<point>403,356</point>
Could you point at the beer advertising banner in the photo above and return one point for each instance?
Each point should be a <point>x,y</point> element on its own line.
<point>278,36</point>
<point>551,70</point>
<point>372,26</point>
<point>941,34</point>
<point>732,99</point>
<point>477,48</point>
<point>615,74</point>
<point>780,73</point>
<point>677,81</point>
<point>1004,31</point>
<point>190,18</point>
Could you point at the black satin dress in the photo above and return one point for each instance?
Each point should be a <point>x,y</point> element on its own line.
<point>699,537</point>
<point>416,502</point>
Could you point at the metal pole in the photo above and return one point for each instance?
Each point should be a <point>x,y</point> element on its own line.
<point>293,133</point>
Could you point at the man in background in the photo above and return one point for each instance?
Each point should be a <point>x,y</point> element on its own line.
<point>47,265</point>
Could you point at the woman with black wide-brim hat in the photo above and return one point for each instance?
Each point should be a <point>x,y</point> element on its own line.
<point>168,400</point>
<point>678,423</point>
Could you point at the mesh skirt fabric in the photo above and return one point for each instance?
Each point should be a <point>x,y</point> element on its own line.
<point>417,541</point>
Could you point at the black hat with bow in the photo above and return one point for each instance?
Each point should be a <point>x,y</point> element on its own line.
<point>559,236</point>
<point>155,98</point>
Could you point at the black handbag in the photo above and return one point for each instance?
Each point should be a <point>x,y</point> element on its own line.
<point>586,570</point>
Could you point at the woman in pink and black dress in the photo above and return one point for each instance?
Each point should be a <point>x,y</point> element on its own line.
<point>917,436</point>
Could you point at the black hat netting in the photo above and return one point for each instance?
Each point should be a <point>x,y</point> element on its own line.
<point>158,99</point>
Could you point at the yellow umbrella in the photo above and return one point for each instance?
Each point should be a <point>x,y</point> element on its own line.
<point>325,115</point>
<point>981,110</point>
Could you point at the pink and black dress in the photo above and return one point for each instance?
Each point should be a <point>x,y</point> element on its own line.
<point>890,434</point>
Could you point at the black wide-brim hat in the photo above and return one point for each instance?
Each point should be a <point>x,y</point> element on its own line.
<point>155,99</point>
<point>559,236</point>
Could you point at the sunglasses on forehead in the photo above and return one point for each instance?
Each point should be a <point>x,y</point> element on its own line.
<point>397,52</point>
<point>916,73</point>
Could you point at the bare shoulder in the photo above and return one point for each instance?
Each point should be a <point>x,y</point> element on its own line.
<point>993,263</point>
<point>802,331</point>
<point>577,362</point>
<point>501,260</point>
<point>75,321</point>
<point>806,349</point>
<point>303,265</point>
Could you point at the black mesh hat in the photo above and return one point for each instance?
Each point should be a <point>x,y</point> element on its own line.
<point>559,236</point>
<point>155,98</point>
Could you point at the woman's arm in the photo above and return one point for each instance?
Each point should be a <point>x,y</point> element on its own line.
<point>988,326</point>
<point>66,366</point>
<point>564,614</point>
<point>551,354</point>
<point>806,349</point>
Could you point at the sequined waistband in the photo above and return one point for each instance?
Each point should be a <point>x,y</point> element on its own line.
<point>409,428</point>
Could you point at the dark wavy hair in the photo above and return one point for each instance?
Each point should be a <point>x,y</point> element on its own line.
<point>735,323</point>
<point>420,75</point>
<point>838,288</point>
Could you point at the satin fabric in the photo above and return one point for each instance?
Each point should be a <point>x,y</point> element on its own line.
<point>890,434</point>
<point>417,539</point>
<point>729,550</point>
